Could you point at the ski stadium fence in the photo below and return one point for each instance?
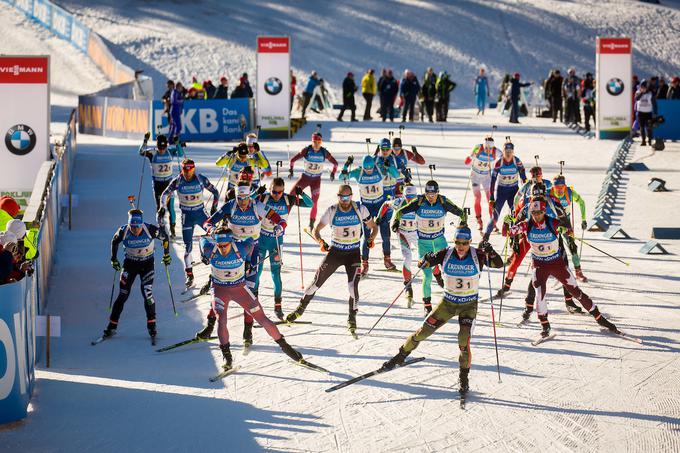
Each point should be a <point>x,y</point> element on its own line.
<point>22,301</point>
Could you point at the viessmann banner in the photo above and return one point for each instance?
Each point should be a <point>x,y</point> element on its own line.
<point>273,86</point>
<point>614,102</point>
<point>24,120</point>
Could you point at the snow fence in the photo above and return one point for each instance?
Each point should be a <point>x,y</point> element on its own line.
<point>22,301</point>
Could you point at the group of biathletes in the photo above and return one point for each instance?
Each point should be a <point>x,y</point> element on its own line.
<point>250,225</point>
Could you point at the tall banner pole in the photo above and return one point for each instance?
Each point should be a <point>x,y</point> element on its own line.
<point>614,80</point>
<point>273,86</point>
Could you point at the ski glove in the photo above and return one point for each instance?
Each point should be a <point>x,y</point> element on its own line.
<point>290,173</point>
<point>371,243</point>
<point>423,263</point>
<point>298,190</point>
<point>167,259</point>
<point>350,161</point>
<point>261,190</point>
<point>485,246</point>
<point>584,224</point>
<point>278,230</point>
<point>324,246</point>
<point>115,264</point>
<point>395,226</point>
<point>333,176</point>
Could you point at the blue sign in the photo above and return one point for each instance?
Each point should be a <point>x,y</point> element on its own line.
<point>208,120</point>
<point>17,347</point>
<point>42,12</point>
<point>80,35</point>
<point>670,110</point>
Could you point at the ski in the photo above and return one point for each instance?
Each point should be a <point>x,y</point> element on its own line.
<point>225,373</point>
<point>353,332</point>
<point>311,366</point>
<point>542,339</point>
<point>183,343</point>
<point>195,296</point>
<point>395,270</point>
<point>371,374</point>
<point>623,335</point>
<point>279,323</point>
<point>100,339</point>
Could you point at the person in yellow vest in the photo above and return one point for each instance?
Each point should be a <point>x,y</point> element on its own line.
<point>368,89</point>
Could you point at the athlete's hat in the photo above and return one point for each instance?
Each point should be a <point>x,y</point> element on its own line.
<point>559,180</point>
<point>431,186</point>
<point>410,191</point>
<point>396,141</point>
<point>242,148</point>
<point>368,162</point>
<point>243,191</point>
<point>188,164</point>
<point>385,144</point>
<point>135,218</point>
<point>316,136</point>
<point>536,171</point>
<point>224,236</point>
<point>536,205</point>
<point>462,233</point>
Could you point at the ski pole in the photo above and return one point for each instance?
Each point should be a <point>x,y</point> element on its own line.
<point>302,273</point>
<point>467,187</point>
<point>493,320</point>
<point>580,249</point>
<point>401,128</point>
<point>536,158</point>
<point>172,297</point>
<point>279,164</point>
<point>493,129</point>
<point>395,299</point>
<point>141,178</point>
<point>432,168</point>
<point>505,257</point>
<point>113,287</point>
<point>583,241</point>
<point>368,149</point>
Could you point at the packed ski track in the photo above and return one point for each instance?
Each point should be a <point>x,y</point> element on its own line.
<point>582,391</point>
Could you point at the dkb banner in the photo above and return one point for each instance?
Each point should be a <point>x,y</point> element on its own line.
<point>273,86</point>
<point>614,101</point>
<point>24,120</point>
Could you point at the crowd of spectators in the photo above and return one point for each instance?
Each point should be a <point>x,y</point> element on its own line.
<point>13,263</point>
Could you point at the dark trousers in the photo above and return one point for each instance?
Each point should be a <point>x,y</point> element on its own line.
<point>645,122</point>
<point>131,269</point>
<point>351,107</point>
<point>514,110</point>
<point>369,103</point>
<point>429,108</point>
<point>306,97</point>
<point>588,113</point>
<point>409,107</point>
<point>386,107</point>
<point>556,106</point>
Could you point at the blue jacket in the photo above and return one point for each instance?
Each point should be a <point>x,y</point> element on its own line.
<point>409,88</point>
<point>312,83</point>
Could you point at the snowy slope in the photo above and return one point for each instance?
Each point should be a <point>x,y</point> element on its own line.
<point>171,39</point>
<point>584,391</point>
<point>72,72</point>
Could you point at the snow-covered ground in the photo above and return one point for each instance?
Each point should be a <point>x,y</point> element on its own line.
<point>584,391</point>
<point>211,38</point>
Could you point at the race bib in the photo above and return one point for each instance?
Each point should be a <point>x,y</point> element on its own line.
<point>162,170</point>
<point>228,275</point>
<point>313,168</point>
<point>346,235</point>
<point>461,286</point>
<point>544,249</point>
<point>407,225</point>
<point>191,199</point>
<point>242,232</point>
<point>508,180</point>
<point>481,166</point>
<point>430,226</point>
<point>371,191</point>
<point>141,252</point>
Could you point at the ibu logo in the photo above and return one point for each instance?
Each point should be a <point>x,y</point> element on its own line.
<point>615,86</point>
<point>20,139</point>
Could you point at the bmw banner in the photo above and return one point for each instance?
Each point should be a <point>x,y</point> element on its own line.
<point>273,86</point>
<point>24,120</point>
<point>614,100</point>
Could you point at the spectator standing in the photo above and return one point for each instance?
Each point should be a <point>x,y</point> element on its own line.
<point>388,93</point>
<point>246,83</point>
<point>209,89</point>
<point>348,90</point>
<point>368,90</point>
<point>571,97</point>
<point>222,91</point>
<point>674,89</point>
<point>312,83</point>
<point>444,88</point>
<point>588,100</point>
<point>170,85</point>
<point>176,106</point>
<point>409,89</point>
<point>515,88</point>
<point>644,103</point>
<point>429,91</point>
<point>662,92</point>
<point>7,259</point>
<point>381,82</point>
<point>241,91</point>
<point>481,91</point>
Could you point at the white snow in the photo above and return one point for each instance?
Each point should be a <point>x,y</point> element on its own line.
<point>212,38</point>
<point>584,391</point>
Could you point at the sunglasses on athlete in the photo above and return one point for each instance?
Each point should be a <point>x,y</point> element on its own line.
<point>277,192</point>
<point>344,197</point>
<point>461,242</point>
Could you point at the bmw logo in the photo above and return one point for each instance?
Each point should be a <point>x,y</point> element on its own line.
<point>20,139</point>
<point>615,86</point>
<point>273,86</point>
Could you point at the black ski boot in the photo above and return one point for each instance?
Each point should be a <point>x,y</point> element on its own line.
<point>397,360</point>
<point>110,329</point>
<point>352,322</point>
<point>572,307</point>
<point>205,289</point>
<point>602,321</point>
<point>505,289</point>
<point>288,349</point>
<point>226,354</point>
<point>172,231</point>
<point>247,334</point>
<point>427,302</point>
<point>204,334</point>
<point>464,380</point>
<point>189,282</point>
<point>545,325</point>
<point>292,317</point>
<point>151,327</point>
<point>277,308</point>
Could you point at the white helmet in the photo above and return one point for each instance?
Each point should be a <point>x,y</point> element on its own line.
<point>251,139</point>
<point>410,191</point>
<point>17,227</point>
<point>7,238</point>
